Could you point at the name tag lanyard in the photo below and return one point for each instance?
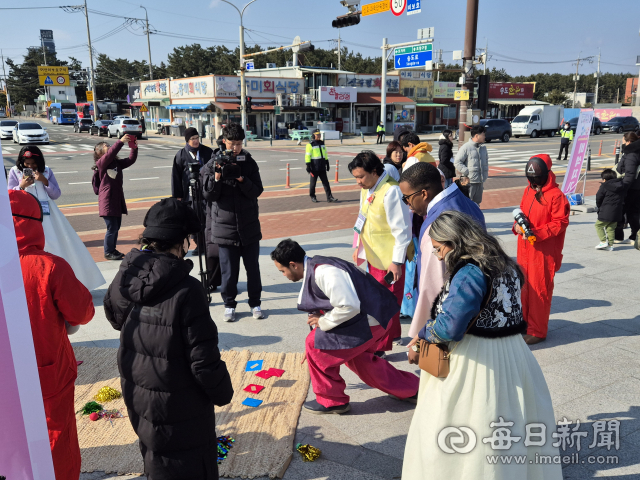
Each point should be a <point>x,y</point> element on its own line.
<point>362,215</point>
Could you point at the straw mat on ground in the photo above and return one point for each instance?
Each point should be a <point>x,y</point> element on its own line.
<point>264,435</point>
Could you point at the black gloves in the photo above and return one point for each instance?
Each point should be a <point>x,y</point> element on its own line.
<point>327,165</point>
<point>308,168</point>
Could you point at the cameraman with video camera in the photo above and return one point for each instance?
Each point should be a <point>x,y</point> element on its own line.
<point>231,182</point>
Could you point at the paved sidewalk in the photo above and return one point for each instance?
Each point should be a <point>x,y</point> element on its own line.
<point>590,359</point>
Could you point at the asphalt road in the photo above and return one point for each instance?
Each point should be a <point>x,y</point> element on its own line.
<point>70,155</point>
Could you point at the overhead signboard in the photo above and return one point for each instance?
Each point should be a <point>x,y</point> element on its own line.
<point>461,95</point>
<point>413,7</point>
<point>398,6</point>
<point>413,56</point>
<point>375,7</point>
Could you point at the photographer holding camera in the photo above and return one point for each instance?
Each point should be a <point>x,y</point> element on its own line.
<point>192,157</point>
<point>231,182</point>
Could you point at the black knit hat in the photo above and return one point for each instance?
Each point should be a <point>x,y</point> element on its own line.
<point>190,132</point>
<point>170,220</point>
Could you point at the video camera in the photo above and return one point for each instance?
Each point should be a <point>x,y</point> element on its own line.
<point>225,163</point>
<point>194,170</point>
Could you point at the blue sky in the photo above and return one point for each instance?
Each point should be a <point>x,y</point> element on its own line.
<point>540,31</point>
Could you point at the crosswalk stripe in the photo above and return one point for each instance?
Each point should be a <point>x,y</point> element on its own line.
<point>88,147</point>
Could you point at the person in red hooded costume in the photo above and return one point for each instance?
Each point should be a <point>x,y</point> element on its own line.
<point>54,296</point>
<point>547,209</point>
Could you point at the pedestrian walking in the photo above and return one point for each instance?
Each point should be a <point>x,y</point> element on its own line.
<point>417,151</point>
<point>60,238</point>
<point>317,163</point>
<point>610,203</point>
<point>58,304</point>
<point>547,209</point>
<point>348,311</point>
<point>383,231</point>
<point>423,193</point>
<point>566,135</point>
<point>629,166</point>
<point>477,316</point>
<point>107,184</point>
<point>445,157</point>
<point>171,372</point>
<point>380,132</point>
<point>394,161</point>
<point>234,219</point>
<point>472,161</point>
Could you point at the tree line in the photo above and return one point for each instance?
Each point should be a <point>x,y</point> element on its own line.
<point>112,75</point>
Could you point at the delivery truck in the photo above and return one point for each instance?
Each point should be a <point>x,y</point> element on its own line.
<point>537,120</point>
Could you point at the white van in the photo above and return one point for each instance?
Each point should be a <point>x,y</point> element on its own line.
<point>538,120</point>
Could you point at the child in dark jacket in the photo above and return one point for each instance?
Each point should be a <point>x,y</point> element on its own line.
<point>610,202</point>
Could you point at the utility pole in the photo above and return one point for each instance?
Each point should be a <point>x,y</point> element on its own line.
<point>439,63</point>
<point>471,29</point>
<point>486,53</point>
<point>339,52</point>
<point>595,100</point>
<point>6,86</point>
<point>383,94</point>
<point>575,82</point>
<point>146,17</point>
<point>93,81</point>
<point>243,85</point>
<point>44,54</point>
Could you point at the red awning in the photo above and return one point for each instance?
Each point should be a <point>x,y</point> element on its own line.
<point>136,104</point>
<point>233,107</point>
<point>375,98</point>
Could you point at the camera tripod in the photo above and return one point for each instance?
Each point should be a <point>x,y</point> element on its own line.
<point>195,189</point>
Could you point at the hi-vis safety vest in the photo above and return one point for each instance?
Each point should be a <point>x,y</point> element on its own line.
<point>315,151</point>
<point>380,129</point>
<point>567,134</point>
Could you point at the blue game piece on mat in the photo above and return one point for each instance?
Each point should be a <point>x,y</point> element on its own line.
<point>251,402</point>
<point>254,366</point>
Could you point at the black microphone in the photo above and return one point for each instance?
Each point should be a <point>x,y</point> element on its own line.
<point>522,220</point>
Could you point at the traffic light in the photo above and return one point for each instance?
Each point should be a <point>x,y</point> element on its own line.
<point>307,47</point>
<point>346,20</point>
<point>248,104</point>
<point>483,92</point>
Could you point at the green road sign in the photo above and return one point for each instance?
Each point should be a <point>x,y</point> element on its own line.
<point>427,47</point>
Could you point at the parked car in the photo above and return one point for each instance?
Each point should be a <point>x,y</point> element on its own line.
<point>496,129</point>
<point>124,125</point>
<point>82,124</point>
<point>30,132</point>
<point>6,128</point>
<point>100,127</point>
<point>596,125</point>
<point>621,124</point>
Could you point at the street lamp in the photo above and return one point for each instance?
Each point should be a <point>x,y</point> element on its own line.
<point>243,85</point>
<point>146,17</point>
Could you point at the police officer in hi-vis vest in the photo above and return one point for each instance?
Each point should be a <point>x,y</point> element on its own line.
<point>380,132</point>
<point>567,137</point>
<point>318,166</point>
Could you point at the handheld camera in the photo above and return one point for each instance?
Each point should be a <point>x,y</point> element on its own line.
<point>225,163</point>
<point>27,172</point>
<point>523,222</point>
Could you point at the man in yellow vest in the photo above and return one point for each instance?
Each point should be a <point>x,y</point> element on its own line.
<point>380,131</point>
<point>383,233</point>
<point>567,137</point>
<point>318,166</point>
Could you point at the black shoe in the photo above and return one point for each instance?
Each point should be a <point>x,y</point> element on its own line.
<point>413,399</point>
<point>314,407</point>
<point>331,199</point>
<point>118,252</point>
<point>113,256</point>
<point>314,199</point>
<point>380,354</point>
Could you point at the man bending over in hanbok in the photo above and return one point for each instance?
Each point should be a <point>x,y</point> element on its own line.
<point>349,311</point>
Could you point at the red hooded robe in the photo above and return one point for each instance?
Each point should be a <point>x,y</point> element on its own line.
<point>549,219</point>
<point>54,295</point>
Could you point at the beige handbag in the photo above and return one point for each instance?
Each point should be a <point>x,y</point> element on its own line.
<point>434,357</point>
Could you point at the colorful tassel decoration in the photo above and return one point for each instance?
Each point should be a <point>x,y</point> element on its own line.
<point>309,453</point>
<point>106,394</point>
<point>224,445</point>
<point>89,408</point>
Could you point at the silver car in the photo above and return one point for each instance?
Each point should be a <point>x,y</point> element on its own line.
<point>123,126</point>
<point>6,128</point>
<point>30,133</point>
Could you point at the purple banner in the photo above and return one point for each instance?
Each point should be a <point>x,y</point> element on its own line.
<point>578,152</point>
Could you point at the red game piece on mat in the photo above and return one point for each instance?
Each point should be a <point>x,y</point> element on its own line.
<point>276,372</point>
<point>253,388</point>
<point>264,374</point>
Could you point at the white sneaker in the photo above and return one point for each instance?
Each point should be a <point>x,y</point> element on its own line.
<point>602,246</point>
<point>229,315</point>
<point>609,248</point>
<point>257,313</point>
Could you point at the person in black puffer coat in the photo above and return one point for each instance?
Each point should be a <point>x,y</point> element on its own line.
<point>629,165</point>
<point>170,368</point>
<point>235,226</point>
<point>445,155</point>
